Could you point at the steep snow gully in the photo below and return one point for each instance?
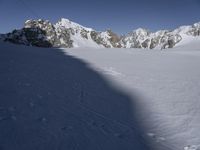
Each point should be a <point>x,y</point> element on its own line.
<point>52,101</point>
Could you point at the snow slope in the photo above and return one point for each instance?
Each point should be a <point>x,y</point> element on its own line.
<point>52,101</point>
<point>168,83</point>
<point>189,42</point>
<point>104,99</point>
<point>76,37</point>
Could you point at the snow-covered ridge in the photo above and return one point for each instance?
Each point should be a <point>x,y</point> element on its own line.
<point>66,23</point>
<point>143,38</point>
<point>66,33</point>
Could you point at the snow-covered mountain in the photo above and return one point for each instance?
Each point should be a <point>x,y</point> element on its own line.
<point>66,33</point>
<point>142,38</point>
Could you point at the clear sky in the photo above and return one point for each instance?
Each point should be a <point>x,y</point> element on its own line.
<point>121,16</point>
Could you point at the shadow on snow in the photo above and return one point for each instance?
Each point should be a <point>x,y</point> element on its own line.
<point>50,101</point>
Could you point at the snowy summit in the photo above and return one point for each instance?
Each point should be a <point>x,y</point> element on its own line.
<point>68,34</point>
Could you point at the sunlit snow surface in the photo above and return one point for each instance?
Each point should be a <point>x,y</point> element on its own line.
<point>99,99</point>
<point>168,83</point>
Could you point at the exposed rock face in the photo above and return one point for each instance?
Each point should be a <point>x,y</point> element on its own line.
<point>68,34</point>
<point>28,36</point>
<point>136,39</point>
<point>35,33</point>
<point>39,33</point>
<point>63,34</point>
<point>63,38</point>
<point>53,36</point>
<point>142,38</point>
<point>83,36</point>
<point>95,37</point>
<point>108,39</point>
<point>194,30</point>
<point>170,40</point>
<point>114,39</point>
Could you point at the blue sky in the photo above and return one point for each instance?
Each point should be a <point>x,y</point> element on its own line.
<point>121,16</point>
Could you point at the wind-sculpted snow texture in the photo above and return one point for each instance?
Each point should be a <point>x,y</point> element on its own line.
<point>52,101</point>
<point>68,34</point>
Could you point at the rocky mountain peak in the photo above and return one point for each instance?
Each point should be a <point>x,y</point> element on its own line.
<point>141,31</point>
<point>66,33</point>
<point>114,38</point>
<point>197,25</point>
<point>37,23</point>
<point>66,23</point>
